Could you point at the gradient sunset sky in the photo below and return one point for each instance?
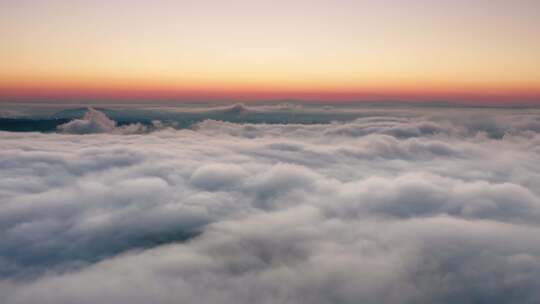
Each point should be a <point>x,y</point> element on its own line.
<point>333,50</point>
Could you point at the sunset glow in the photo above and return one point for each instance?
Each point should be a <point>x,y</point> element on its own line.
<point>486,51</point>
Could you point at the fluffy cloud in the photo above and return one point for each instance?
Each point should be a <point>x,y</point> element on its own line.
<point>92,122</point>
<point>399,208</point>
<point>95,121</point>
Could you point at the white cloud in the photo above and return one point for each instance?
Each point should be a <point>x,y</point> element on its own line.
<point>92,122</point>
<point>95,121</point>
<point>381,209</point>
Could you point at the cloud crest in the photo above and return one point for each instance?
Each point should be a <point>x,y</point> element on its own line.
<point>95,121</point>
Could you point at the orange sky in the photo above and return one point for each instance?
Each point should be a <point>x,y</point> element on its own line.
<point>343,50</point>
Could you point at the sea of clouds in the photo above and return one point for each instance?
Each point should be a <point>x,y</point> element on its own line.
<point>395,206</point>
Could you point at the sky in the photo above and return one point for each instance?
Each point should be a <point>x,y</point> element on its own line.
<point>320,50</point>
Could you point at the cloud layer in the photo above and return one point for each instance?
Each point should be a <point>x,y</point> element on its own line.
<point>405,207</point>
